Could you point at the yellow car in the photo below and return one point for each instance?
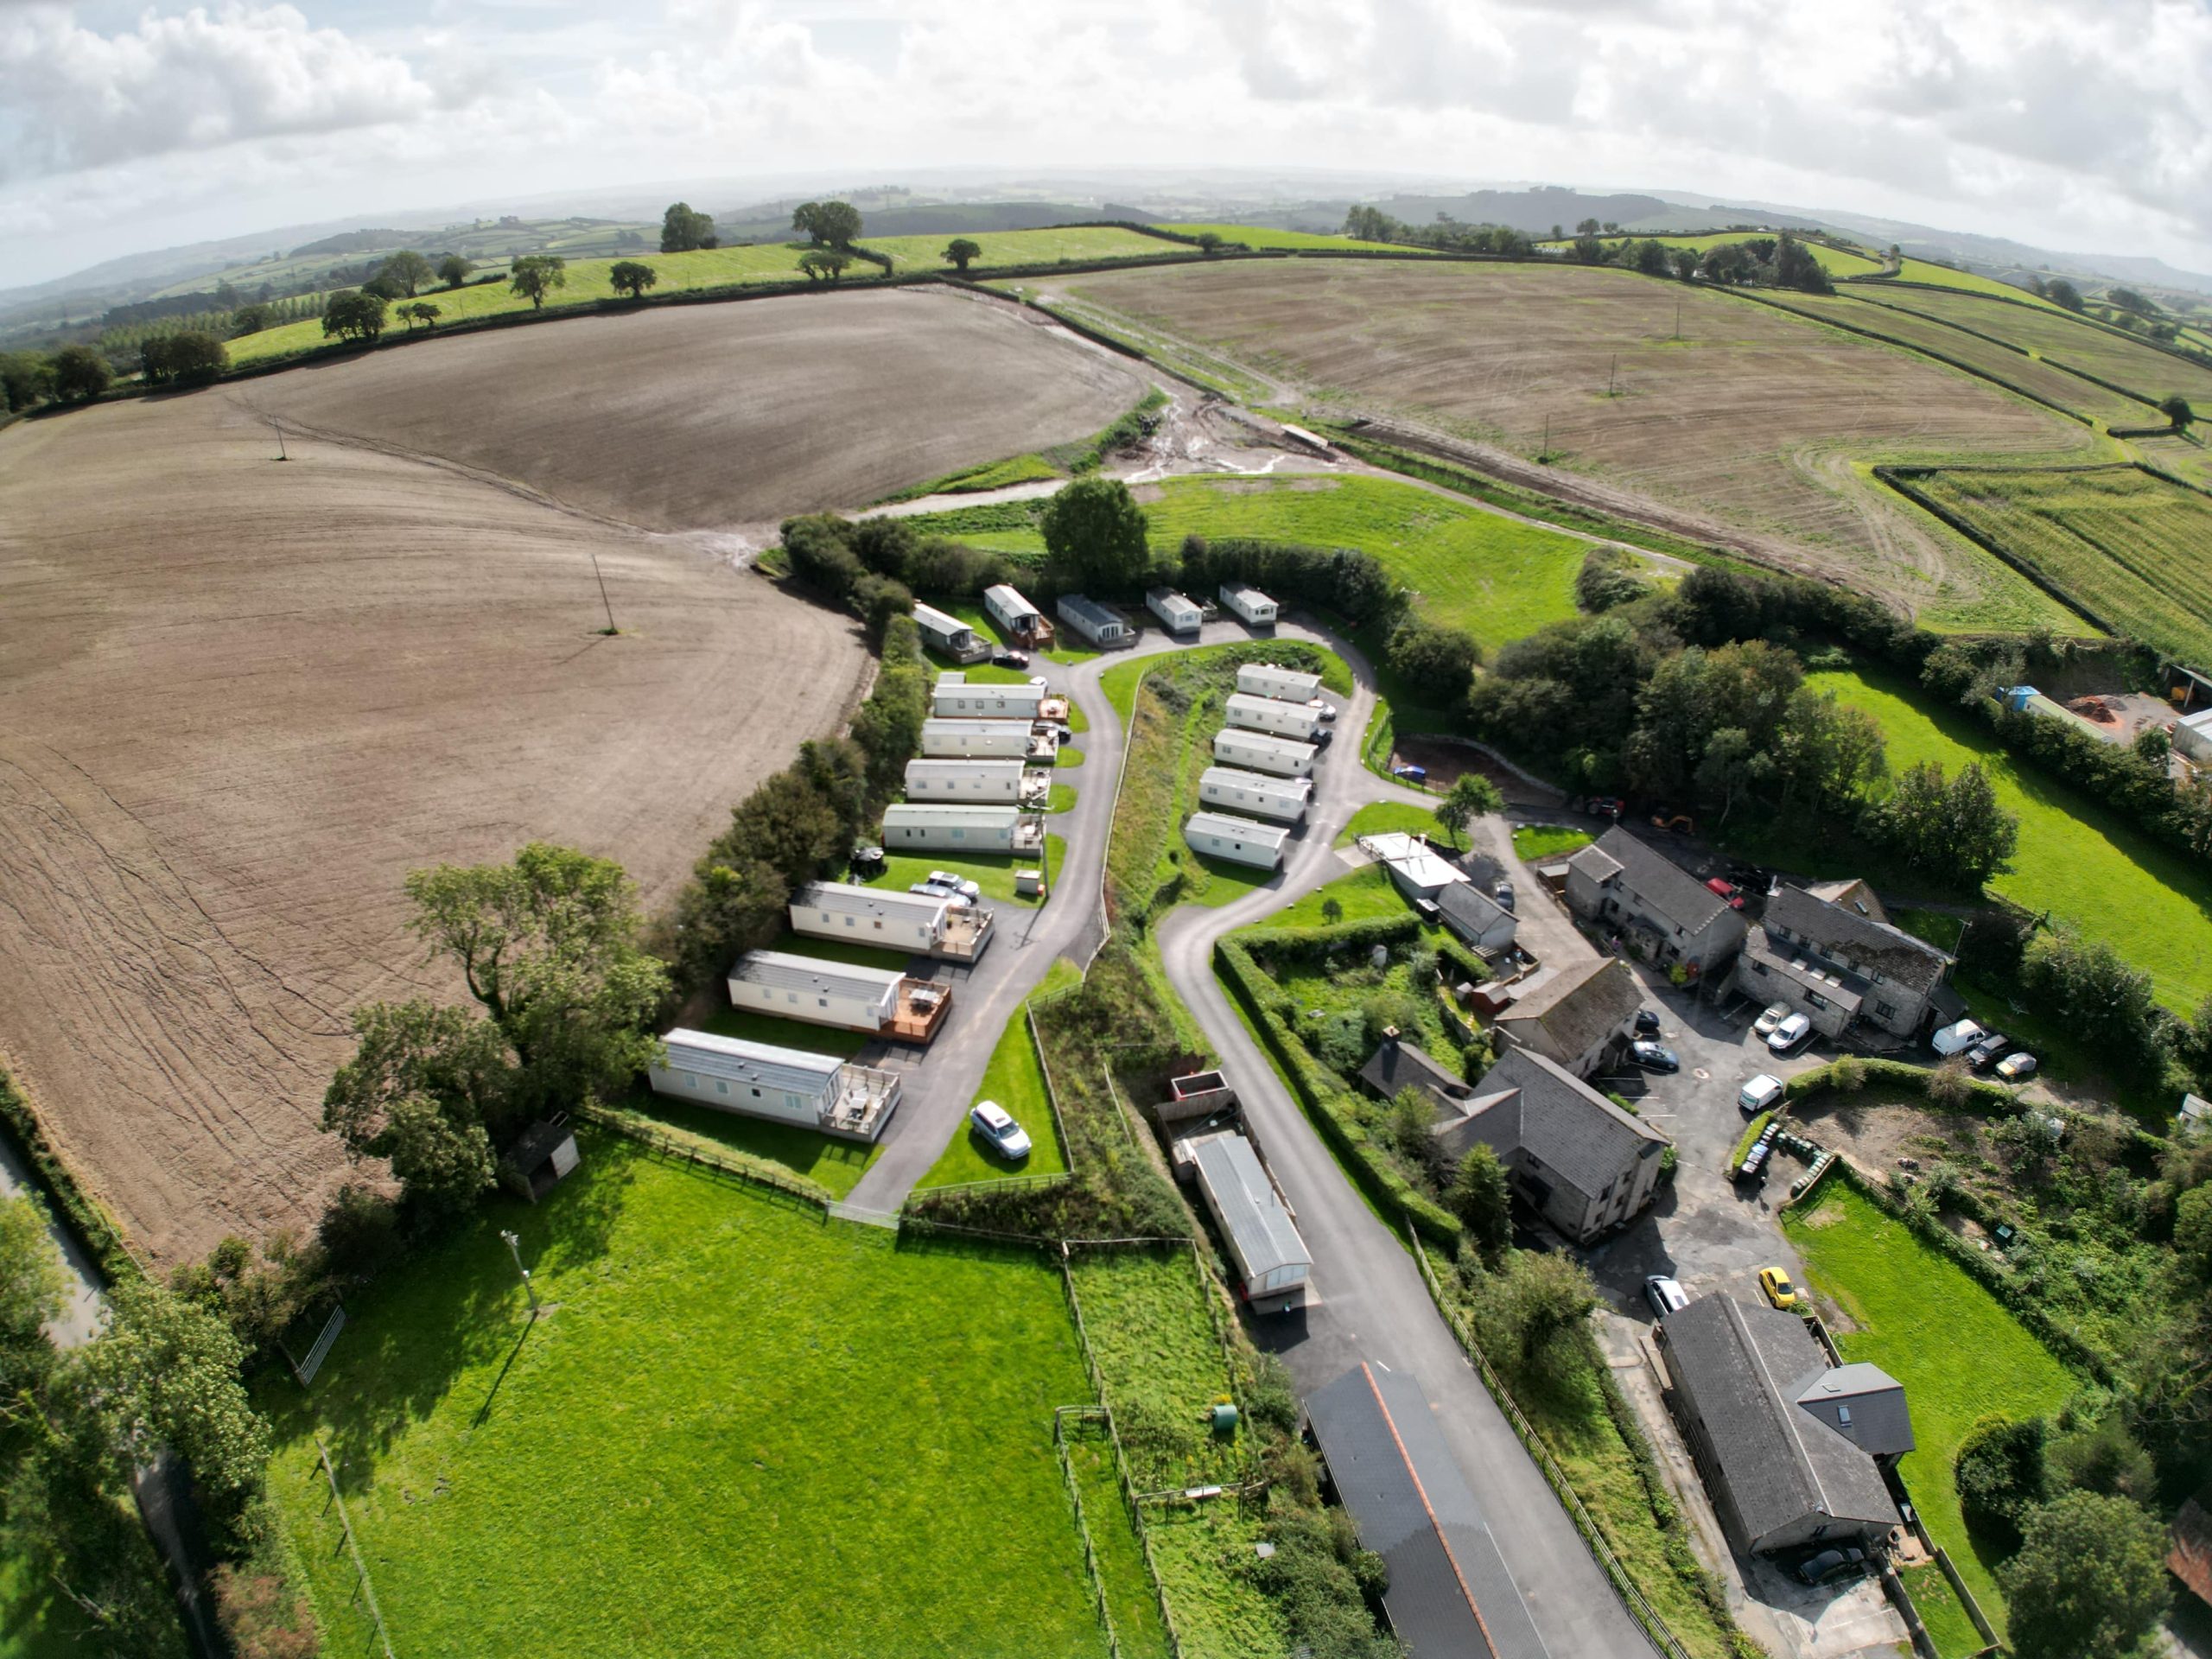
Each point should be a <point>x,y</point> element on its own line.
<point>1775,1284</point>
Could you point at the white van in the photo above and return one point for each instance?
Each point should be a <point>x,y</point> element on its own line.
<point>1952,1038</point>
<point>1760,1093</point>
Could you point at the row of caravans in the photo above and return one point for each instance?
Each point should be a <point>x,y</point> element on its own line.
<point>1027,627</point>
<point>1255,797</point>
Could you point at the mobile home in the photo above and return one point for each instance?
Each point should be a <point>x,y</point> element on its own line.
<point>820,993</point>
<point>1095,624</point>
<point>950,827</point>
<point>785,1085</point>
<point>954,699</point>
<point>890,919</point>
<point>1241,841</point>
<point>1266,680</point>
<point>949,635</point>
<point>1255,794</point>
<point>1248,602</point>
<point>1023,622</point>
<point>1177,614</point>
<point>999,782</point>
<point>1271,1261</point>
<point>1298,720</point>
<point>1263,752</point>
<point>1004,739</point>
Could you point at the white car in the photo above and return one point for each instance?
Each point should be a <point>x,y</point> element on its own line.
<point>1790,1035</point>
<point>1666,1296</point>
<point>1760,1093</point>
<point>1000,1132</point>
<point>2017,1068</point>
<point>1763,1027</point>
<point>966,889</point>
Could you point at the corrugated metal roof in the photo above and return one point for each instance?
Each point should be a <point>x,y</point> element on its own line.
<point>1271,836</point>
<point>1296,789</point>
<point>959,813</point>
<point>1300,687</point>
<point>1253,706</point>
<point>842,898</point>
<point>972,725</point>
<point>762,1066</point>
<point>1450,1595</point>
<point>1090,610</point>
<point>962,765</point>
<point>790,973</point>
<point>928,616</point>
<point>1243,1201</point>
<point>1264,743</point>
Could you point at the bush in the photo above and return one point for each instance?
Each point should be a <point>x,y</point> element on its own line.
<point>1608,578</point>
<point>1438,662</point>
<point>1352,583</point>
<point>2000,1474</point>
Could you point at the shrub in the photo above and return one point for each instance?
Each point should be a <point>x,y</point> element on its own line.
<point>1438,662</point>
<point>264,1617</point>
<point>2000,1474</point>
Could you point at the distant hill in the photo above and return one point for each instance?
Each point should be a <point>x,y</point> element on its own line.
<point>353,242</point>
<point>771,222</point>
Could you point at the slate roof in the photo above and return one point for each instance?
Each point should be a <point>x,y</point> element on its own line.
<point>1743,1367</point>
<point>1467,906</point>
<point>1665,886</point>
<point>1879,1422</point>
<point>1863,942</point>
<point>790,973</point>
<point>1527,1104</point>
<point>1395,1064</point>
<point>1243,1201</point>
<point>1579,1006</point>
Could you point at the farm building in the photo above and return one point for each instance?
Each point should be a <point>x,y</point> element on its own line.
<point>1300,720</point>
<point>1261,751</point>
<point>1094,623</point>
<point>955,827</point>
<point>1416,869</point>
<point>1024,623</point>
<point>1007,782</point>
<point>879,1001</point>
<point>2192,737</point>
<point>1241,841</point>
<point>1255,794</point>
<point>1177,614</point>
<point>1271,1259</point>
<point>954,699</point>
<point>541,1157</point>
<point>1619,883</point>
<point>1576,1017</point>
<point>890,919</point>
<point>785,1085</point>
<point>1791,1448</point>
<point>1256,609</point>
<point>1266,680</point>
<point>1837,966</point>
<point>2027,700</point>
<point>1476,917</point>
<point>1005,740</point>
<point>949,635</point>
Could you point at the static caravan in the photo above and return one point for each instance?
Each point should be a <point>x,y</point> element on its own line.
<point>1263,752</point>
<point>1177,614</point>
<point>1271,1261</point>
<point>1299,720</point>
<point>993,782</point>
<point>1095,624</point>
<point>1003,740</point>
<point>1241,841</point>
<point>1255,795</point>
<point>954,699</point>
<point>890,919</point>
<point>1266,680</point>
<point>785,1085</point>
<point>949,827</point>
<point>820,993</point>
<point>1254,606</point>
<point>949,635</point>
<point>1023,622</point>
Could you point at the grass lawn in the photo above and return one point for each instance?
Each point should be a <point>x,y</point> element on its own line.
<point>2077,861</point>
<point>995,875</point>
<point>833,1165</point>
<point>1386,817</point>
<point>1265,236</point>
<point>1941,1612</point>
<point>1960,1355</point>
<point>1532,842</point>
<point>1073,243</point>
<point>785,1033</point>
<point>1014,1078</point>
<point>741,1417</point>
<point>1061,798</point>
<point>1067,755</point>
<point>1366,892</point>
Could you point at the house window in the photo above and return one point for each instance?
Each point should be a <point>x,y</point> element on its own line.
<point>958,834</point>
<point>1815,1000</point>
<point>1884,1011</point>
<point>821,1001</point>
<point>1758,968</point>
<point>1843,1416</point>
<point>792,997</point>
<point>722,1085</point>
<point>691,1080</point>
<point>756,1094</point>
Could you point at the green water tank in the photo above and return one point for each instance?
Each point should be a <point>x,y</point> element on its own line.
<point>1224,1419</point>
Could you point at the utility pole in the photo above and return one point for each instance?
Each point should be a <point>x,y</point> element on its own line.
<point>603,600</point>
<point>1544,454</point>
<point>280,453</point>
<point>1678,319</point>
<point>1610,370</point>
<point>514,1248</point>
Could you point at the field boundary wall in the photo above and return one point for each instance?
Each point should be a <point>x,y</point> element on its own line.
<point>86,1218</point>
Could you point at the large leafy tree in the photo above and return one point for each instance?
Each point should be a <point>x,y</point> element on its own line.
<point>1954,829</point>
<point>79,374</point>
<point>632,276</point>
<point>963,252</point>
<point>1095,533</point>
<point>454,270</point>
<point>1480,1198</point>
<point>1470,797</point>
<point>407,269</point>
<point>683,229</point>
<point>828,223</point>
<point>2090,1582</point>
<point>356,315</point>
<point>30,1294</point>
<point>535,275</point>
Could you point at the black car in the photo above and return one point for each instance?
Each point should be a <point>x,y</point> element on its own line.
<point>1655,1056</point>
<point>1989,1050</point>
<point>1009,659</point>
<point>1647,1023</point>
<point>1832,1564</point>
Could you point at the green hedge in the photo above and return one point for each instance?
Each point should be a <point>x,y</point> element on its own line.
<point>1307,942</point>
<point>1325,1100</point>
<point>81,1212</point>
<point>1900,1074</point>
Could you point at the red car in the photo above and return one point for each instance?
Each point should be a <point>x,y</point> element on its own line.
<point>1733,894</point>
<point>1605,806</point>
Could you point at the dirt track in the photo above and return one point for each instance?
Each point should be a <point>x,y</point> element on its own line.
<point>239,699</point>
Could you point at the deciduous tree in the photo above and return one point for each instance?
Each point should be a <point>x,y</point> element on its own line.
<point>828,223</point>
<point>1095,533</point>
<point>1481,1200</point>
<point>1954,829</point>
<point>2177,411</point>
<point>632,276</point>
<point>454,270</point>
<point>1470,797</point>
<point>185,359</point>
<point>1437,661</point>
<point>683,230</point>
<point>2090,1582</point>
<point>535,275</point>
<point>408,270</point>
<point>962,252</point>
<point>823,264</point>
<point>356,315</point>
<point>79,374</point>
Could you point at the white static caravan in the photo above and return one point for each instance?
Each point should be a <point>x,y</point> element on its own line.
<point>1263,752</point>
<point>1003,740</point>
<point>820,993</point>
<point>1095,624</point>
<point>1299,720</point>
<point>954,699</point>
<point>890,918</point>
<point>1241,841</point>
<point>1024,623</point>
<point>1271,1261</point>
<point>949,635</point>
<point>785,1085</point>
<point>950,827</point>
<point>1254,606</point>
<point>1255,795</point>
<point>1177,614</point>
<point>1266,680</point>
<point>991,782</point>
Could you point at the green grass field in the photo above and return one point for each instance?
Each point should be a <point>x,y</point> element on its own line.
<point>1075,243</point>
<point>740,1419</point>
<point>2063,338</point>
<point>1385,817</point>
<point>2127,545</point>
<point>1365,894</point>
<point>1534,840</point>
<point>2076,860</point>
<point>785,1033</point>
<point>1837,262</point>
<point>1262,236</point>
<point>1916,1315</point>
<point>833,1165</point>
<point>1966,282</point>
<point>1014,1078</point>
<point>1941,1612</point>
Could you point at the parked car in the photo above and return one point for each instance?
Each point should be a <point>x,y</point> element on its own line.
<point>996,1126</point>
<point>1647,1023</point>
<point>1503,894</point>
<point>1849,1561</point>
<point>1775,1012</point>
<point>1774,1286</point>
<point>1993,1047</point>
<point>1758,1094</point>
<point>960,885</point>
<point>1726,890</point>
<point>1326,711</point>
<point>1665,1295</point>
<point>1410,774</point>
<point>934,890</point>
<point>2017,1068</point>
<point>867,860</point>
<point>1605,806</point>
<point>1655,1056</point>
<point>1009,659</point>
<point>1790,1035</point>
<point>1951,1039</point>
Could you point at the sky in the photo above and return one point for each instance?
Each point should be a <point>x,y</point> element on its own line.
<point>2071,124</point>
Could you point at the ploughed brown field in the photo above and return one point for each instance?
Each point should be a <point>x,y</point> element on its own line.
<point>716,416</point>
<point>1744,430</point>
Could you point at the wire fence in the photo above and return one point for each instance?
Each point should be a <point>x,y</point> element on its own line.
<point>1085,1413</point>
<point>362,1587</point>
